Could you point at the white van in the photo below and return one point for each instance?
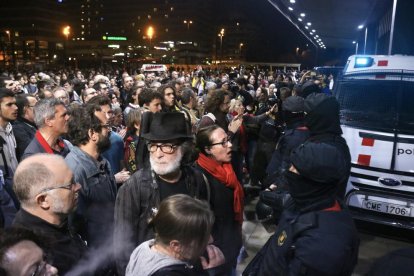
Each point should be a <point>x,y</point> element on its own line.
<point>376,94</point>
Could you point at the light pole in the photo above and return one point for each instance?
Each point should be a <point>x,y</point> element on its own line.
<point>366,36</point>
<point>66,32</point>
<point>356,47</point>
<point>8,34</point>
<point>150,33</point>
<point>8,48</point>
<point>240,49</point>
<point>188,22</point>
<point>221,34</point>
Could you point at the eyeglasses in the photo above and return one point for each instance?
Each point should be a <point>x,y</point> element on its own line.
<point>63,98</point>
<point>165,148</point>
<point>64,186</point>
<point>224,143</point>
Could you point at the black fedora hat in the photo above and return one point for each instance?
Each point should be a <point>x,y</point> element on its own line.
<point>164,126</point>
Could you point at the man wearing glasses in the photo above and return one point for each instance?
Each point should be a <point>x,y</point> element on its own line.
<point>47,193</point>
<point>22,254</point>
<point>168,142</point>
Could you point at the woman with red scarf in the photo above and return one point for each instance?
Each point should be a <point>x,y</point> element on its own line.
<point>226,197</point>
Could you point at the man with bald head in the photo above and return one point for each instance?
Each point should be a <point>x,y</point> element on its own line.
<point>47,193</point>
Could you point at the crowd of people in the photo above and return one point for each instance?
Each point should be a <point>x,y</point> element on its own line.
<point>144,173</point>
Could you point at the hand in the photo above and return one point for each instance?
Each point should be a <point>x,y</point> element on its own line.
<point>274,109</point>
<point>122,176</point>
<point>272,187</point>
<point>215,257</point>
<point>122,132</point>
<point>235,123</point>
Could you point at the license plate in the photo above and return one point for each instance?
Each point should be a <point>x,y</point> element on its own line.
<point>387,208</point>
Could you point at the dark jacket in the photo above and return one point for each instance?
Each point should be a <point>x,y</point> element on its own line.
<point>226,230</point>
<point>36,146</point>
<point>66,249</point>
<point>137,200</point>
<point>93,218</point>
<point>24,132</point>
<point>313,243</point>
<point>294,135</point>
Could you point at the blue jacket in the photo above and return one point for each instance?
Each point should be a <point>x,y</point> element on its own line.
<point>94,216</point>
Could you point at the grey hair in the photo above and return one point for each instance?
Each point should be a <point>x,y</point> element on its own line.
<point>45,109</point>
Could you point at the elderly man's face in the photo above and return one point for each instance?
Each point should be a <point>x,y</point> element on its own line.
<point>165,156</point>
<point>63,96</point>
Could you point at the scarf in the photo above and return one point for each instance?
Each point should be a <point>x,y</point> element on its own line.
<point>225,174</point>
<point>43,143</point>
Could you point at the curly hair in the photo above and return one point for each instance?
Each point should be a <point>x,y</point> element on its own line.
<point>215,99</point>
<point>81,121</point>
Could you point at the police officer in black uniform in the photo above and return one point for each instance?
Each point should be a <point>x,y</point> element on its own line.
<point>316,235</point>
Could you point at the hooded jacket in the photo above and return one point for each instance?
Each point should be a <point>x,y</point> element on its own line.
<point>323,122</point>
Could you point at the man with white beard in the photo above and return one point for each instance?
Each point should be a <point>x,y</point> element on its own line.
<point>168,140</point>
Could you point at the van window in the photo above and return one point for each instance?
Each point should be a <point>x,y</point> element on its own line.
<point>382,105</point>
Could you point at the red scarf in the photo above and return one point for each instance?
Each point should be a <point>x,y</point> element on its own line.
<point>225,174</point>
<point>45,145</point>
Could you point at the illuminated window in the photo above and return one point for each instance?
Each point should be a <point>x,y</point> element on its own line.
<point>155,9</point>
<point>166,30</point>
<point>172,8</point>
<point>149,16</point>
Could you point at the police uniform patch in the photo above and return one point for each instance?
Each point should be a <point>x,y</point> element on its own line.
<point>282,238</point>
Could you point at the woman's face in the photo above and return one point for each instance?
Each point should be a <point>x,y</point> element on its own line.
<point>251,80</point>
<point>239,108</point>
<point>220,149</point>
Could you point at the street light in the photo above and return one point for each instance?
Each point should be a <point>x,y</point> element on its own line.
<point>188,22</point>
<point>360,27</point>
<point>66,32</point>
<point>240,49</point>
<point>8,34</point>
<point>221,34</point>
<point>150,33</point>
<point>356,47</point>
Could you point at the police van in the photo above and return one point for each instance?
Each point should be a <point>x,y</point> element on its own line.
<point>376,94</point>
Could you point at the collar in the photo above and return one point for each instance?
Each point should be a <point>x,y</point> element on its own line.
<point>8,130</point>
<point>27,219</point>
<point>25,121</point>
<point>92,167</point>
<point>43,143</point>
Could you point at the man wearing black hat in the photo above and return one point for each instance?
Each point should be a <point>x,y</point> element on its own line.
<point>168,140</point>
<point>315,235</point>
